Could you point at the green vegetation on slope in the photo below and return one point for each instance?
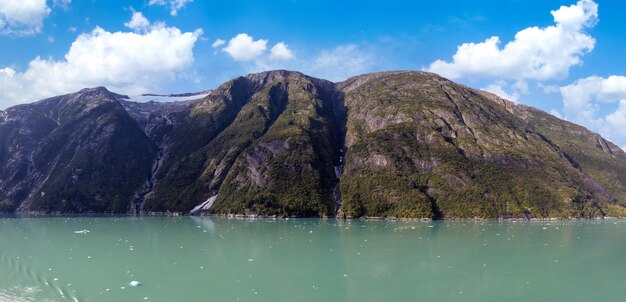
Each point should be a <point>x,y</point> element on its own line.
<point>407,144</point>
<point>289,170</point>
<point>421,146</point>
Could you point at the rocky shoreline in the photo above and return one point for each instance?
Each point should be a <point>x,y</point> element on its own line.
<point>275,217</point>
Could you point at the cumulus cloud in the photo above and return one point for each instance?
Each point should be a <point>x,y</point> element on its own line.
<point>335,64</point>
<point>10,87</point>
<point>22,17</point>
<point>173,5</point>
<point>243,47</point>
<point>127,62</point>
<point>615,123</point>
<point>138,22</point>
<point>583,99</point>
<point>280,51</point>
<point>535,53</point>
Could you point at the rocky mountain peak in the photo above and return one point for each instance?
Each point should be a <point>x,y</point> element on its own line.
<point>96,94</point>
<point>263,78</point>
<point>416,77</point>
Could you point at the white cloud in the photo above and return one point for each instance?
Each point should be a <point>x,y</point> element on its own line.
<point>615,123</point>
<point>549,89</point>
<point>22,17</point>
<point>335,64</point>
<point>556,113</point>
<point>10,88</point>
<point>499,90</point>
<point>280,52</point>
<point>583,100</point>
<point>173,5</point>
<point>535,53</point>
<point>218,43</point>
<point>613,87</point>
<point>126,62</point>
<point>244,48</point>
<point>138,22</point>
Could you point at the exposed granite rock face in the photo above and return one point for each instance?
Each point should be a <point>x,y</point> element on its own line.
<point>80,152</point>
<point>419,145</point>
<point>402,144</point>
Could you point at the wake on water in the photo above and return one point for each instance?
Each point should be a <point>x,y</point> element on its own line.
<point>39,288</point>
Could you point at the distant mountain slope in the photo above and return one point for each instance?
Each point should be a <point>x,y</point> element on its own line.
<point>400,144</point>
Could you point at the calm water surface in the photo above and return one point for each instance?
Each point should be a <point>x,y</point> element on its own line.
<point>218,259</point>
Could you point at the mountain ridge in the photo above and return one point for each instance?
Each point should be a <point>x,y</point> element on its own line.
<point>281,143</point>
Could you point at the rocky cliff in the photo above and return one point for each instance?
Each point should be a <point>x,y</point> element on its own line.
<point>391,144</point>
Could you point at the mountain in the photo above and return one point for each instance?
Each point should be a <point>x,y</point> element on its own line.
<point>389,144</point>
<point>74,153</point>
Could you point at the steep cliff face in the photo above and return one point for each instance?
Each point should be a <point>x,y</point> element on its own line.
<point>285,164</point>
<point>74,153</point>
<point>402,144</point>
<point>263,143</point>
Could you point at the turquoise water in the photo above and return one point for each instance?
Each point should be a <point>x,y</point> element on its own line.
<point>219,259</point>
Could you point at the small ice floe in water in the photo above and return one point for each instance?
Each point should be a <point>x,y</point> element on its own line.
<point>134,283</point>
<point>81,232</point>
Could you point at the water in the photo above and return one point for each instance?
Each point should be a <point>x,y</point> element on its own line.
<point>218,259</point>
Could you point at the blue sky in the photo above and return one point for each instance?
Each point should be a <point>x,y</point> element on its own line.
<point>565,57</point>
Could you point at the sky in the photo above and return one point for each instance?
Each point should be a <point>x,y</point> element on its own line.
<point>565,56</point>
